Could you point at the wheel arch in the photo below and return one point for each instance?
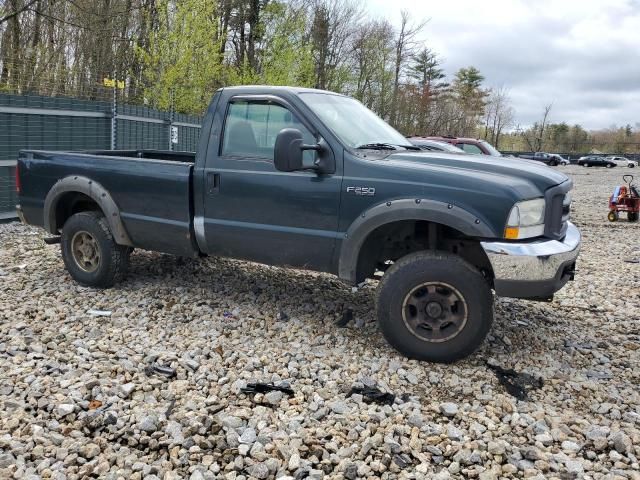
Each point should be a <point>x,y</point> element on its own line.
<point>76,188</point>
<point>405,210</point>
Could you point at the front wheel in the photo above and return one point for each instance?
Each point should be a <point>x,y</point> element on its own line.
<point>610,165</point>
<point>613,216</point>
<point>89,252</point>
<point>434,307</point>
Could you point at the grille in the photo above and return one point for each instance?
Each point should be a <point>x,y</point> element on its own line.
<point>558,201</point>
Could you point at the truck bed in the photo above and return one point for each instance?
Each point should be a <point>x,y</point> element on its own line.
<point>185,157</point>
<point>152,190</point>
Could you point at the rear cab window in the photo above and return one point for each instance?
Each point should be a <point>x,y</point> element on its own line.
<point>251,128</point>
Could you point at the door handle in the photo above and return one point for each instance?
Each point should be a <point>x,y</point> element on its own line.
<point>213,183</point>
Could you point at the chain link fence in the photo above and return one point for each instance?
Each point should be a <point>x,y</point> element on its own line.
<point>43,122</point>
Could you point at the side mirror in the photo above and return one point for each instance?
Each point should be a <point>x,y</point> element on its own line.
<point>287,155</point>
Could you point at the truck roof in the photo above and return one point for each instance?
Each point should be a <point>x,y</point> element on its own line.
<point>276,89</point>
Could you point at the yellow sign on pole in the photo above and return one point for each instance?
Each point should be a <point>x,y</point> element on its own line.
<point>112,83</point>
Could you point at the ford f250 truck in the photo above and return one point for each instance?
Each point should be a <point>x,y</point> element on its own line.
<point>311,179</point>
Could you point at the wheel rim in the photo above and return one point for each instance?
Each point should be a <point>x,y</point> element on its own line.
<point>85,251</point>
<point>434,312</point>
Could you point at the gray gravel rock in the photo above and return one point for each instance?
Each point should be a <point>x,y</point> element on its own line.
<point>249,436</point>
<point>621,442</point>
<point>6,460</point>
<point>64,409</point>
<point>449,409</point>
<point>454,433</point>
<point>76,401</point>
<point>259,470</point>
<point>339,407</point>
<point>274,397</point>
<point>148,423</point>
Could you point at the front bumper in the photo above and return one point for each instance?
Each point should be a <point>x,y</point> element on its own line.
<point>534,269</point>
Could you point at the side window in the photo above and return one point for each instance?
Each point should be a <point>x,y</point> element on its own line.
<point>470,148</point>
<point>251,129</point>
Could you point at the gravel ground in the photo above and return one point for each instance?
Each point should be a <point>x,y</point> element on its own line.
<point>78,398</point>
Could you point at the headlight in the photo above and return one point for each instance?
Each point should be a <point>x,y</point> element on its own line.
<point>526,219</point>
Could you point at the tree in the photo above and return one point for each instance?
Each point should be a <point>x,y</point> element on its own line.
<point>176,53</point>
<point>333,27</point>
<point>467,88</point>
<point>181,65</point>
<point>285,57</point>
<point>535,135</point>
<point>404,49</point>
<point>426,70</point>
<point>371,55</point>
<point>499,115</point>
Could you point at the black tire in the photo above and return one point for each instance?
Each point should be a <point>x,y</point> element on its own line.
<point>631,165</point>
<point>612,216</point>
<point>456,276</point>
<point>553,163</point>
<point>611,165</point>
<point>632,216</point>
<point>107,262</point>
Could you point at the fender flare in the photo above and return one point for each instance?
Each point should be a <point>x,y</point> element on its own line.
<point>404,209</point>
<point>93,190</point>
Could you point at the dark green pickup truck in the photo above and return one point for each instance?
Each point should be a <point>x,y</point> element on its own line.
<point>311,179</point>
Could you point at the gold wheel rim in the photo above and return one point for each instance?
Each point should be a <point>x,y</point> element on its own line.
<point>85,251</point>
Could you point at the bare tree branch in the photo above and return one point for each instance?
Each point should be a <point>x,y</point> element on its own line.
<point>17,12</point>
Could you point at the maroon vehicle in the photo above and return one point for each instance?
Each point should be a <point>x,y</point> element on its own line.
<point>469,145</point>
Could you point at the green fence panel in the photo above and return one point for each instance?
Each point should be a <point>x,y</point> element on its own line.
<point>7,191</point>
<point>142,135</point>
<point>62,123</point>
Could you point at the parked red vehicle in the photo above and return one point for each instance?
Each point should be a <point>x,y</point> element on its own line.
<point>469,145</point>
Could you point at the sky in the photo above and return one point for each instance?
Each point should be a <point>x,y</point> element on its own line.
<point>581,55</point>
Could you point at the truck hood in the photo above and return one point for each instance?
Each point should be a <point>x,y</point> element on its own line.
<point>505,170</point>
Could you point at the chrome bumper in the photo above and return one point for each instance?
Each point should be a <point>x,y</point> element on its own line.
<point>533,269</point>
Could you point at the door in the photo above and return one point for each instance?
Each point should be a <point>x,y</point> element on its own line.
<point>255,212</point>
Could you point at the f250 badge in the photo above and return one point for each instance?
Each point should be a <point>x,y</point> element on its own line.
<point>364,191</point>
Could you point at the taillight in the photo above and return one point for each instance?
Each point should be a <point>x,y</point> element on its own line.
<point>18,183</point>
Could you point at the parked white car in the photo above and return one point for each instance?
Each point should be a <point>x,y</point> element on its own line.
<point>561,159</point>
<point>623,161</point>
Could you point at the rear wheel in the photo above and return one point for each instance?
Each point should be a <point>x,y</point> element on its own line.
<point>89,252</point>
<point>611,165</point>
<point>434,307</point>
<point>632,216</point>
<point>613,216</point>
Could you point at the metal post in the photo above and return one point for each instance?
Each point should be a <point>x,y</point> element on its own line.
<point>114,114</point>
<point>171,119</point>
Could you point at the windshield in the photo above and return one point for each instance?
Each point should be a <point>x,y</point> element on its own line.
<point>353,123</point>
<point>492,151</point>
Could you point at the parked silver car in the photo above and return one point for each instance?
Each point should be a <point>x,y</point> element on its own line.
<point>623,161</point>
